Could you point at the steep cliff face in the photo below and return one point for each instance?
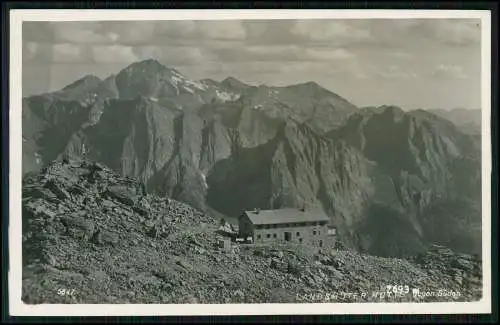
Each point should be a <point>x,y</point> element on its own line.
<point>418,143</point>
<point>160,146</point>
<point>423,164</point>
<point>384,176</point>
<point>48,124</point>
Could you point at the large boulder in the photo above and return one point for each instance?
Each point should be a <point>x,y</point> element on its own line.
<point>124,194</point>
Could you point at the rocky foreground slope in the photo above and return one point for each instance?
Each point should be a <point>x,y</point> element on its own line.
<point>92,236</point>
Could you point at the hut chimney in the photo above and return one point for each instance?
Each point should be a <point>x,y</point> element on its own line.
<point>257,211</point>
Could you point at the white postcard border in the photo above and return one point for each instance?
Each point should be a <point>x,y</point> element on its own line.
<point>18,308</point>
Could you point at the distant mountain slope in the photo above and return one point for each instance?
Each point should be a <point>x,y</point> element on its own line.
<point>468,120</point>
<point>385,177</point>
<point>423,164</point>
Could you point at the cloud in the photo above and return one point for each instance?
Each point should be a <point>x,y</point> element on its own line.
<point>30,50</point>
<point>223,30</point>
<point>451,32</point>
<point>308,67</point>
<point>361,75</point>
<point>388,49</point>
<point>37,31</point>
<point>254,53</point>
<point>449,71</point>
<point>40,52</point>
<point>176,28</point>
<point>114,53</point>
<point>384,33</point>
<point>271,53</point>
<point>79,32</point>
<point>323,54</point>
<point>270,32</point>
<point>183,55</point>
<point>401,55</point>
<point>357,69</point>
<point>396,72</point>
<point>277,53</point>
<point>362,69</point>
<point>172,31</point>
<point>455,32</point>
<point>67,52</point>
<point>331,30</point>
<point>129,32</point>
<point>253,67</point>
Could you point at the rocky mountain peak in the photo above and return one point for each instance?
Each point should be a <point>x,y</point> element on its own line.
<point>152,79</point>
<point>310,87</point>
<point>234,84</point>
<point>86,81</point>
<point>390,110</point>
<point>147,63</point>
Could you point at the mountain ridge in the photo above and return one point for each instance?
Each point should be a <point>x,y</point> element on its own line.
<point>270,147</point>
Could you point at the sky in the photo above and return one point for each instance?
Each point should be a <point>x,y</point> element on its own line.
<point>421,63</point>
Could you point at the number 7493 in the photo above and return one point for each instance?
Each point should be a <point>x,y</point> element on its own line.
<point>397,289</point>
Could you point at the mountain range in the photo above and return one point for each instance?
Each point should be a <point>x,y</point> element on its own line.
<point>392,182</point>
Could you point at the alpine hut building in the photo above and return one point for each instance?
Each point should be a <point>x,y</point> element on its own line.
<point>301,226</point>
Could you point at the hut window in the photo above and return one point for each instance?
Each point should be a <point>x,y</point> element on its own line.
<point>298,233</point>
<point>268,235</point>
<point>314,232</point>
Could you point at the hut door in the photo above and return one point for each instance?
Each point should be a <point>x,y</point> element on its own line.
<point>288,236</point>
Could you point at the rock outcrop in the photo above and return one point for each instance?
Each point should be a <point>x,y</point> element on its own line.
<point>93,236</point>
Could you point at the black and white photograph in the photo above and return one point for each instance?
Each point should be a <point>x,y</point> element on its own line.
<point>216,160</point>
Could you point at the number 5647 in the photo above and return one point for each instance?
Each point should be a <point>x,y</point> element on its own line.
<point>66,292</point>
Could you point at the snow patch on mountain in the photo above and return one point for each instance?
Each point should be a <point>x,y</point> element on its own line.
<point>188,89</point>
<point>38,158</point>
<point>225,96</point>
<point>187,84</point>
<point>196,84</point>
<point>204,179</point>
